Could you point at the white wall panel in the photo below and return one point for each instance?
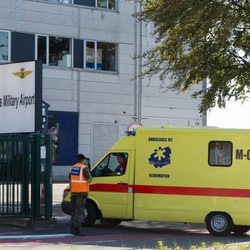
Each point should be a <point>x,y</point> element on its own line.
<point>57,95</point>
<point>99,97</point>
<point>106,98</point>
<point>58,73</point>
<point>162,101</point>
<point>84,128</point>
<point>106,108</point>
<point>105,118</point>
<point>54,83</point>
<point>68,106</point>
<point>113,88</point>
<point>9,24</point>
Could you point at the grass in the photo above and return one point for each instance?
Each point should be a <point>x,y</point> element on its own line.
<point>203,246</point>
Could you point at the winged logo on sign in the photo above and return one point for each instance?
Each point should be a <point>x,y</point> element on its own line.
<point>22,73</point>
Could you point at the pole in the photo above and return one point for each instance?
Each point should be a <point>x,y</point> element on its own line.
<point>135,64</point>
<point>204,113</point>
<point>140,67</point>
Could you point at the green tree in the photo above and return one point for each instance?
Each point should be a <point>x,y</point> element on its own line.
<point>198,39</point>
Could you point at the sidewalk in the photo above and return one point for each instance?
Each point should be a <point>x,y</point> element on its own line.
<point>59,223</point>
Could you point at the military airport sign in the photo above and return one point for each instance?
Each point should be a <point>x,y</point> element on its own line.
<point>20,97</point>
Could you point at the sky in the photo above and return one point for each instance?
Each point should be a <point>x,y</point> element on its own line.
<point>236,115</point>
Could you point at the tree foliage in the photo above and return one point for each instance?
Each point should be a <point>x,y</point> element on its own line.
<point>201,39</point>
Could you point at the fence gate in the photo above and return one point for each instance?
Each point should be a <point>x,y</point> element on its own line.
<point>26,176</point>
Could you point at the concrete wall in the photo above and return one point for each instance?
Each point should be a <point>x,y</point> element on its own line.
<point>99,97</point>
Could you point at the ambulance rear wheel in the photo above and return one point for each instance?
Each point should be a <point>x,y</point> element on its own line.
<point>92,214</point>
<point>240,230</point>
<point>219,224</point>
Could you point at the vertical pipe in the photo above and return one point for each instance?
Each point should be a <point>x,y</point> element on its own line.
<point>140,67</point>
<point>135,64</point>
<point>204,113</point>
<point>17,14</point>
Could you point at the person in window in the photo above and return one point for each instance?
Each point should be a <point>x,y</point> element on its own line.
<point>120,170</point>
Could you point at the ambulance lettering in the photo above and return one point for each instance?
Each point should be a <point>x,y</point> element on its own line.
<point>164,139</point>
<point>160,157</point>
<point>240,155</point>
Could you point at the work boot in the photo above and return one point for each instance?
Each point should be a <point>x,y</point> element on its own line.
<point>75,230</point>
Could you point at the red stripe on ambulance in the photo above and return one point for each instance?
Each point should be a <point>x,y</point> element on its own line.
<point>172,190</point>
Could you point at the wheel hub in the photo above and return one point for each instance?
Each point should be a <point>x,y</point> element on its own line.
<point>219,224</point>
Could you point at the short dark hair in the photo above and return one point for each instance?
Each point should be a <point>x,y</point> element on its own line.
<point>122,155</point>
<point>81,157</point>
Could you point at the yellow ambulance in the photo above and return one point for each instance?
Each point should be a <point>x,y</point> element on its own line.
<point>191,175</point>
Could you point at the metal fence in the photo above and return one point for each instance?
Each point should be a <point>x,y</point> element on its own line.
<point>26,176</point>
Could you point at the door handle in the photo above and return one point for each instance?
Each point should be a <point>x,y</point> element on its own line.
<point>122,183</point>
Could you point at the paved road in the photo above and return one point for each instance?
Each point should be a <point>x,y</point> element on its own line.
<point>129,235</point>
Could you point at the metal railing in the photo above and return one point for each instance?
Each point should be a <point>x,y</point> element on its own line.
<point>26,176</point>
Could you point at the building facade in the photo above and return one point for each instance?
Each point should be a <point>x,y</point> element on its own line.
<point>87,48</point>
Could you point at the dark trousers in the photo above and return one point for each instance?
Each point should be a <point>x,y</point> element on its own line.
<point>78,203</point>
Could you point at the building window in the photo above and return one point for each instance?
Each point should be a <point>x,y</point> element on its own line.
<point>65,1</point>
<point>106,56</point>
<point>103,4</point>
<point>220,153</point>
<point>111,4</point>
<point>57,51</point>
<point>90,55</point>
<point>100,56</point>
<point>60,52</point>
<point>4,46</point>
<point>60,1</point>
<point>54,51</point>
<point>90,3</point>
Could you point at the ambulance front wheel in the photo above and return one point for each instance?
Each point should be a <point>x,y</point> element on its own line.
<point>91,216</point>
<point>219,224</point>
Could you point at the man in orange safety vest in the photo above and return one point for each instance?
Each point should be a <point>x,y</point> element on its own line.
<point>80,178</point>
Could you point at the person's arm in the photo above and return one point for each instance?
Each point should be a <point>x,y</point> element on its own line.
<point>87,174</point>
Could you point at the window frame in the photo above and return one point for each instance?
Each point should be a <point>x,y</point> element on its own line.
<point>96,5</point>
<point>71,49</point>
<point>96,56</point>
<point>231,153</point>
<point>116,56</point>
<point>98,170</point>
<point>48,49</point>
<point>9,46</point>
<point>85,55</point>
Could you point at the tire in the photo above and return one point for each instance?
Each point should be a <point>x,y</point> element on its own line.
<point>219,224</point>
<point>240,230</point>
<point>113,222</point>
<point>92,214</point>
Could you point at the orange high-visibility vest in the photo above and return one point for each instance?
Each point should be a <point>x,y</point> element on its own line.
<point>78,182</point>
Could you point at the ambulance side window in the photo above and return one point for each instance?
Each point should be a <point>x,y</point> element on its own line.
<point>113,164</point>
<point>220,153</point>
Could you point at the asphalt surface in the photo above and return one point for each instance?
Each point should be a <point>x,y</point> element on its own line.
<point>55,234</point>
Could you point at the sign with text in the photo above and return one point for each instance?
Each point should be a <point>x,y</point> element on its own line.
<point>20,97</point>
